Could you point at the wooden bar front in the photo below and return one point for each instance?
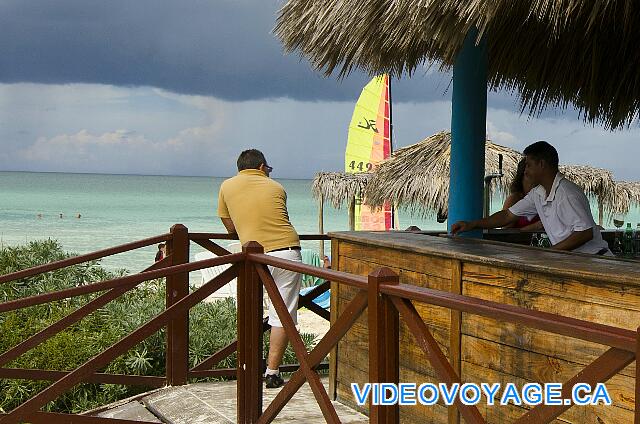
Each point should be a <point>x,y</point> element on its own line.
<point>591,288</point>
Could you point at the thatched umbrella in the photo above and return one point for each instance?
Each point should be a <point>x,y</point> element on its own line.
<point>629,192</point>
<point>416,178</point>
<point>632,190</point>
<point>530,45</point>
<point>337,187</point>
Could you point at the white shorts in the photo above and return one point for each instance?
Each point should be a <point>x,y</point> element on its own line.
<point>288,283</point>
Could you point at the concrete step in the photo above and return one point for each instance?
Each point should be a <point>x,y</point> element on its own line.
<point>134,410</point>
<point>179,405</point>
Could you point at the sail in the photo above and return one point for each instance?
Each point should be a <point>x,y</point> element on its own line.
<point>368,143</point>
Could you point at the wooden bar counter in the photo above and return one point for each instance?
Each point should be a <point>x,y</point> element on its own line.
<point>592,288</point>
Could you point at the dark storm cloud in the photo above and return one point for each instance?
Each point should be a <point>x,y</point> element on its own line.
<point>222,48</point>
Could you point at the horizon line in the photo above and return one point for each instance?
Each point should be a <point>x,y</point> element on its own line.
<point>138,175</point>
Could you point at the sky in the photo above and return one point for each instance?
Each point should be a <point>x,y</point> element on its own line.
<point>180,87</point>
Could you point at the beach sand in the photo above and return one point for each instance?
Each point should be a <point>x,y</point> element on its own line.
<point>309,322</point>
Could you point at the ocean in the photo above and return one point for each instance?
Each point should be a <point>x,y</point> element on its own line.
<point>117,209</point>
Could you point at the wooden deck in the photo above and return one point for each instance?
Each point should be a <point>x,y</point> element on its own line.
<point>211,403</point>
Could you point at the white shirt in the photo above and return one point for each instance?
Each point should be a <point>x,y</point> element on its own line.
<point>562,212</point>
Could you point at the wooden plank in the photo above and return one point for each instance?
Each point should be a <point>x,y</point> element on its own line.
<point>249,324</point>
<point>546,261</point>
<point>535,367</point>
<point>429,265</point>
<point>455,333</point>
<point>361,266</point>
<point>496,414</point>
<point>600,371</point>
<point>418,413</point>
<point>422,413</point>
<point>357,338</point>
<point>518,336</point>
<point>435,316</point>
<point>384,346</point>
<point>547,342</point>
<point>334,308</point>
<point>602,292</point>
<point>602,314</point>
<point>577,414</point>
<point>410,359</point>
<point>425,280</point>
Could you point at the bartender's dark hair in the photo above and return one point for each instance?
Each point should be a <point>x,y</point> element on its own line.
<point>250,159</point>
<point>516,185</point>
<point>541,150</point>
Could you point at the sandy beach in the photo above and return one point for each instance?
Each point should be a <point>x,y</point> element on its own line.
<point>309,322</point>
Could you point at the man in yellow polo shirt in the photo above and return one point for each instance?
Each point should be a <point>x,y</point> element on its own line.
<point>255,207</point>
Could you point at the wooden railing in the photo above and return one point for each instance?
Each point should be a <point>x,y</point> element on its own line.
<point>175,267</point>
<point>386,300</point>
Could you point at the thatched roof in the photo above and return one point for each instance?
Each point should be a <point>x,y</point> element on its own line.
<point>593,181</point>
<point>338,187</point>
<point>632,190</point>
<point>416,177</point>
<point>531,45</point>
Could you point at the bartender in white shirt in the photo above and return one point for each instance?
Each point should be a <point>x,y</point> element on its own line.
<point>562,206</point>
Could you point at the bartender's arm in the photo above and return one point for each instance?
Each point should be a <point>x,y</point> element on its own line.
<point>575,240</point>
<point>536,226</point>
<point>498,219</point>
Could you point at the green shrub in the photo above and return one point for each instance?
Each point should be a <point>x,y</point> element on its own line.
<point>211,325</point>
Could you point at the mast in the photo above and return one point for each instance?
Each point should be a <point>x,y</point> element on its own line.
<point>393,218</point>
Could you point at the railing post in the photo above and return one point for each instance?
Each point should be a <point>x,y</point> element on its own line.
<point>249,390</point>
<point>384,342</point>
<point>636,412</point>
<point>177,358</point>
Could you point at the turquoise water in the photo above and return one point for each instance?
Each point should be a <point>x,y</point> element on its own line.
<point>116,209</point>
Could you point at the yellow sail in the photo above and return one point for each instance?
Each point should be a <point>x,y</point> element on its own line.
<point>368,143</point>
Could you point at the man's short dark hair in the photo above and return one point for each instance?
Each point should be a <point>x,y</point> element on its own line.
<point>251,159</point>
<point>541,150</point>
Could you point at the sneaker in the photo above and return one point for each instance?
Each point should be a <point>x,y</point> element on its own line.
<point>273,381</point>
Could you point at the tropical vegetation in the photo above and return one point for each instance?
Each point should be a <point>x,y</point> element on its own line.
<point>211,326</point>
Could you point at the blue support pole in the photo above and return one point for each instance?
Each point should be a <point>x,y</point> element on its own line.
<point>468,133</point>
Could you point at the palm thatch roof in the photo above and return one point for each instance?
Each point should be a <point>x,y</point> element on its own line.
<point>530,45</point>
<point>632,189</point>
<point>338,187</point>
<point>594,181</point>
<point>416,178</point>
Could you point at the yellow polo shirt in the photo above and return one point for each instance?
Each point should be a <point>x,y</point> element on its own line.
<point>257,205</point>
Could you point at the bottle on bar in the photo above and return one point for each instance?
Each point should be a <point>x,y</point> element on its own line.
<point>534,240</point>
<point>544,241</point>
<point>636,240</point>
<point>617,245</point>
<point>627,241</point>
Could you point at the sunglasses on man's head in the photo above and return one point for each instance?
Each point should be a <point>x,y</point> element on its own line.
<point>268,168</point>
